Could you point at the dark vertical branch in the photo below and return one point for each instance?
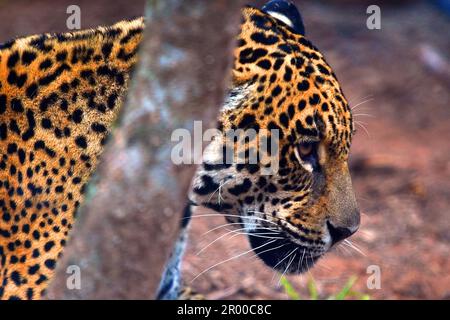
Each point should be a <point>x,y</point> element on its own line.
<point>131,216</point>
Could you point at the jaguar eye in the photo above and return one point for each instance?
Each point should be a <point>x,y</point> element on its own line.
<point>305,149</point>
<point>306,153</point>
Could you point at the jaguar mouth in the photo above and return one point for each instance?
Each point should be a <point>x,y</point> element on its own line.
<point>283,255</point>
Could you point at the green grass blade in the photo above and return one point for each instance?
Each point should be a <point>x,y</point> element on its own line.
<point>312,288</point>
<point>289,289</point>
<point>345,291</point>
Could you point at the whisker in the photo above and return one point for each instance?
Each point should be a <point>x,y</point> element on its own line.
<point>354,247</point>
<point>300,262</point>
<point>259,235</point>
<point>217,239</point>
<point>362,102</point>
<point>278,218</point>
<point>237,216</point>
<point>231,224</point>
<point>338,248</point>
<point>236,233</point>
<point>218,189</point>
<point>343,249</point>
<point>267,250</point>
<point>363,98</point>
<point>364,115</point>
<point>287,267</point>
<point>230,259</point>
<point>268,231</point>
<point>287,256</point>
<point>221,226</point>
<point>362,126</point>
<point>228,215</point>
<point>309,267</point>
<point>279,262</point>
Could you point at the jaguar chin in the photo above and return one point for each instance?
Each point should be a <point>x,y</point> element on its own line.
<point>283,255</point>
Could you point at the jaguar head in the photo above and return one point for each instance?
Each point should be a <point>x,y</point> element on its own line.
<point>288,128</point>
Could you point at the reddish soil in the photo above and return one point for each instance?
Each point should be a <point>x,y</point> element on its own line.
<point>401,169</point>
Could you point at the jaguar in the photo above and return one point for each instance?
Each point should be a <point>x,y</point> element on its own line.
<point>61,93</point>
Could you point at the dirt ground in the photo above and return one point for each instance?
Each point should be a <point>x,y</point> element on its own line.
<point>400,76</point>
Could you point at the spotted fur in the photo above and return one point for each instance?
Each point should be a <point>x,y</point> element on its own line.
<point>59,95</point>
<point>282,82</point>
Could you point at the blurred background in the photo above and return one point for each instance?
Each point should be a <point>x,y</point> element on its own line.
<point>398,80</point>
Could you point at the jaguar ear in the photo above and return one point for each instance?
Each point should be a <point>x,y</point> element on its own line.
<point>286,12</point>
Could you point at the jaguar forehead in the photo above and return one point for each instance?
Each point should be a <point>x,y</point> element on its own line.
<point>295,88</point>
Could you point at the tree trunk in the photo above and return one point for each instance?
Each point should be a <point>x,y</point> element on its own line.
<point>128,224</point>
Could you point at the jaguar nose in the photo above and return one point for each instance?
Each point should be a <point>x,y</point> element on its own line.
<point>338,234</point>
